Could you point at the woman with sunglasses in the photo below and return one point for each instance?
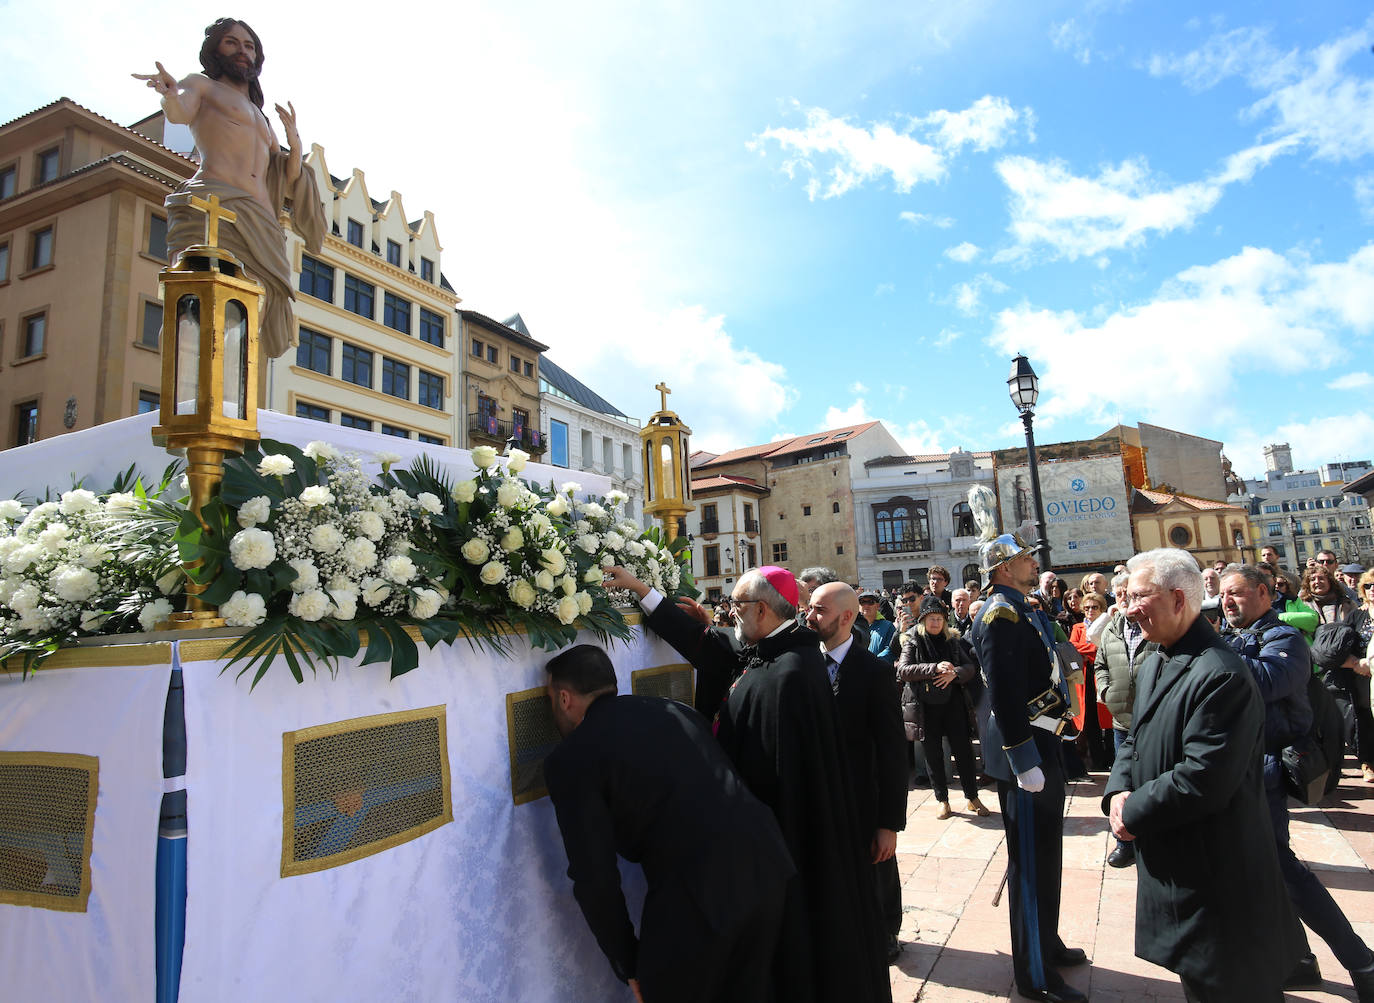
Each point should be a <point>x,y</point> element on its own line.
<point>1337,650</point>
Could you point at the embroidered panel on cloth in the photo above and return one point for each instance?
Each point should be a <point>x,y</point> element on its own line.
<point>47,815</point>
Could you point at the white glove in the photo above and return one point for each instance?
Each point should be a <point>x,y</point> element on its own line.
<point>1032,780</point>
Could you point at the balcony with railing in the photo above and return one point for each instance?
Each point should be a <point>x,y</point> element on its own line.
<point>751,527</point>
<point>710,527</point>
<point>489,430</point>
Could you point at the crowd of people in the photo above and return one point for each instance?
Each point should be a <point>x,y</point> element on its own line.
<point>819,705</point>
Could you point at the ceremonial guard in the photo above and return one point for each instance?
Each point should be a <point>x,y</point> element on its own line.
<point>1021,719</point>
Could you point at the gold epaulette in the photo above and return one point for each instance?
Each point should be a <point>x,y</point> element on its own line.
<point>998,610</point>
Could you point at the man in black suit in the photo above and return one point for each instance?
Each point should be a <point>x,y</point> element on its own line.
<point>643,777</point>
<point>870,713</point>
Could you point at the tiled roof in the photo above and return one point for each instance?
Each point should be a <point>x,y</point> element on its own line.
<point>707,483</point>
<point>896,461</point>
<point>1162,498</point>
<point>122,128</point>
<point>796,444</point>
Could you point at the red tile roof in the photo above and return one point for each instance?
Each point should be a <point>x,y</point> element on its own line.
<point>796,444</point>
<point>1163,498</point>
<point>727,481</point>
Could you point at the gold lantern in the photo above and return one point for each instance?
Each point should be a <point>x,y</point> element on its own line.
<point>209,402</point>
<point>667,479</point>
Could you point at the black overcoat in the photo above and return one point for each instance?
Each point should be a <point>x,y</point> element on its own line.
<point>1210,902</point>
<point>778,724</point>
<point>875,742</point>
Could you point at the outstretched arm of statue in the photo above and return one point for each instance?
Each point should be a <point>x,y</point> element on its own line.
<point>180,101</point>
<point>293,142</point>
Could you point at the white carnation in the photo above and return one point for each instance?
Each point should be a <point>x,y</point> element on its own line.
<point>88,555</point>
<point>371,526</point>
<point>571,488</point>
<point>320,451</point>
<point>617,498</point>
<point>508,493</point>
<point>78,500</point>
<point>25,599</point>
<point>327,538</point>
<point>310,605</point>
<point>307,575</point>
<point>153,613</point>
<point>54,538</point>
<point>254,511</point>
<point>634,548</point>
<point>252,548</point>
<point>588,542</point>
<point>464,491</point>
<point>375,591</point>
<point>73,583</point>
<point>567,610</point>
<point>613,540</point>
<point>388,460</point>
<point>276,465</point>
<point>483,457</point>
<point>429,502</point>
<point>316,495</point>
<point>11,510</point>
<point>476,551</point>
<point>492,572</point>
<point>360,554</point>
<point>21,557</point>
<point>244,609</point>
<point>540,525</point>
<point>118,501</point>
<point>584,602</point>
<point>512,540</point>
<point>399,569</point>
<point>425,604</point>
<point>345,603</point>
<point>340,582</point>
<point>594,510</point>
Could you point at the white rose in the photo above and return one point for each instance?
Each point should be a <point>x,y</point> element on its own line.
<point>584,602</point>
<point>543,581</point>
<point>254,511</point>
<point>567,609</point>
<point>119,501</point>
<point>429,502</point>
<point>552,558</point>
<point>310,605</point>
<point>557,506</point>
<point>375,591</point>
<point>316,495</point>
<point>508,493</point>
<point>153,613</point>
<point>492,572</point>
<point>593,576</point>
<point>244,609</point>
<point>516,460</point>
<point>327,538</point>
<point>371,526</point>
<point>512,540</point>
<point>320,451</point>
<point>589,543</point>
<point>73,583</point>
<point>464,491</point>
<point>521,593</point>
<point>476,551</point>
<point>540,525</point>
<point>399,569</point>
<point>252,548</point>
<point>345,603</point>
<point>276,465</point>
<point>360,554</point>
<point>483,457</point>
<point>307,575</point>
<point>425,604</point>
<point>93,619</point>
<point>11,510</point>
<point>569,584</point>
<point>78,500</point>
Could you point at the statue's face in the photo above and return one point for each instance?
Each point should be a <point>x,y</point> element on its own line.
<point>238,54</point>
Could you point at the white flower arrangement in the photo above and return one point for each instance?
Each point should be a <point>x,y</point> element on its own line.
<point>604,534</point>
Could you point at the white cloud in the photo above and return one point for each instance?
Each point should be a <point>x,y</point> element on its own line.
<point>1314,442</point>
<point>1073,38</point>
<point>915,436</point>
<point>884,289</point>
<point>1309,96</point>
<point>1179,357</point>
<point>968,296</point>
<point>857,389</point>
<point>963,253</point>
<point>1351,381</point>
<point>1364,196</point>
<point>917,218</point>
<point>1080,216</point>
<point>985,125</point>
<point>836,156</point>
<point>947,337</point>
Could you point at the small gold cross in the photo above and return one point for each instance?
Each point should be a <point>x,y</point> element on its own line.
<point>213,214</point>
<point>663,393</point>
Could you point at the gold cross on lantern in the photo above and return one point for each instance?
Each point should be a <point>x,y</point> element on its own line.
<point>213,214</point>
<point>663,393</point>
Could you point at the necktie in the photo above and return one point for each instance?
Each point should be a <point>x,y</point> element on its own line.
<point>832,667</point>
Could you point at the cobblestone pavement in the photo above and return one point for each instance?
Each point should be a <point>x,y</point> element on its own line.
<point>957,943</point>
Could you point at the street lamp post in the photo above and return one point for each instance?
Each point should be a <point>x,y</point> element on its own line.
<point>1024,387</point>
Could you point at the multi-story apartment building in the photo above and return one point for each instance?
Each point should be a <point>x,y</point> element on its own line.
<point>500,384</point>
<point>1300,513</point>
<point>913,514</point>
<point>584,431</point>
<point>82,237</point>
<point>807,514</point>
<point>728,509</point>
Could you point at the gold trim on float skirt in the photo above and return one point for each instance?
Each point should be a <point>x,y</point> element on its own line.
<point>97,657</point>
<point>527,782</point>
<point>90,765</point>
<point>641,682</point>
<point>290,739</point>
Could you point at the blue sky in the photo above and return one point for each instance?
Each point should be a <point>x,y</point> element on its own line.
<point>806,214</point>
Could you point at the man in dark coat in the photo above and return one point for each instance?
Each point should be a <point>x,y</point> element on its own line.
<point>1014,644</point>
<point>1186,789</point>
<point>866,697</point>
<point>642,777</point>
<point>776,720</point>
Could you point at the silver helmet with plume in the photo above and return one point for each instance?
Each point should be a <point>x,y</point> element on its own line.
<point>994,548</point>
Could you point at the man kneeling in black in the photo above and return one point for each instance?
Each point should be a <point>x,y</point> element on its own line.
<point>645,778</point>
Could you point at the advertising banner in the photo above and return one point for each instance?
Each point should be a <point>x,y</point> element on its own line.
<point>1087,515</point>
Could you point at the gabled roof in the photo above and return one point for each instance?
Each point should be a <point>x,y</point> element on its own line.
<point>473,317</point>
<point>66,102</point>
<point>1159,499</point>
<point>796,444</point>
<point>565,383</point>
<point>728,482</point>
<point>517,323</point>
<point>700,457</point>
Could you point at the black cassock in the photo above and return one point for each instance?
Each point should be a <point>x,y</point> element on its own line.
<point>776,720</point>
